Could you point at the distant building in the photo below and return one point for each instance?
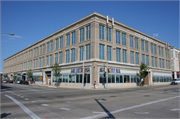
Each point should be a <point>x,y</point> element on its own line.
<point>98,42</point>
<point>175,62</point>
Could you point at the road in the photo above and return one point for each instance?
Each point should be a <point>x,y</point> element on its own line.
<point>30,101</point>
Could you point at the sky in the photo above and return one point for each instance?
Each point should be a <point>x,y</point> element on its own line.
<point>31,21</point>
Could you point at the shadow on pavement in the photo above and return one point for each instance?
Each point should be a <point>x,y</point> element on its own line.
<point>5,87</point>
<point>5,115</point>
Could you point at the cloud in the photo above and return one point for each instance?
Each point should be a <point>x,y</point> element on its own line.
<point>16,36</point>
<point>155,34</point>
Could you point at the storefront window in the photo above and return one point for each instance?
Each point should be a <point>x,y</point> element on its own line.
<point>157,79</point>
<point>121,78</point>
<point>113,78</point>
<point>70,79</point>
<point>73,78</point>
<point>109,78</point>
<point>117,79</point>
<point>77,78</point>
<point>161,79</point>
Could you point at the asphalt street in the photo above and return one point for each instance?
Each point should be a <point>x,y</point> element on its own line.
<point>30,101</point>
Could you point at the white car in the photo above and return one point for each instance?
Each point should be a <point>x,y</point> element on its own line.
<point>175,81</point>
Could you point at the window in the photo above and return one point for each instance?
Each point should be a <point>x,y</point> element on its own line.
<point>36,63</point>
<point>67,56</point>
<point>101,32</point>
<point>88,52</point>
<point>47,60</point>
<point>37,52</point>
<point>118,54</point>
<point>167,53</point>
<point>142,45</point>
<point>67,39</point>
<point>34,52</point>
<point>47,47</point>
<point>136,43</point>
<point>118,37</point>
<point>151,48</point>
<point>81,53</point>
<point>143,58</point>
<point>152,61</point>
<point>73,55</point>
<point>42,61</point>
<point>154,49</point>
<point>73,37</point>
<point>88,32</point>
<point>160,62</point>
<point>155,61</point>
<point>108,52</point>
<point>124,56</point>
<point>57,44</point>
<point>147,60</point>
<point>61,42</point>
<point>146,45</point>
<point>60,58</point>
<point>137,58</point>
<point>56,58</point>
<point>50,60</point>
<point>109,34</point>
<point>132,57</point>
<point>101,51</point>
<point>43,48</point>
<point>124,39</point>
<point>82,35</point>
<point>159,51</point>
<point>131,41</point>
<point>162,51</point>
<point>51,46</point>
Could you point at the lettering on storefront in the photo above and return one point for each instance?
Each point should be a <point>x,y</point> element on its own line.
<point>111,70</point>
<point>101,69</point>
<point>118,71</point>
<point>72,70</point>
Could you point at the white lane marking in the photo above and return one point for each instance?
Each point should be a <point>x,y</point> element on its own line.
<point>65,108</point>
<point>26,98</point>
<point>176,109</point>
<point>45,104</point>
<point>128,108</point>
<point>18,95</point>
<point>97,112</point>
<point>141,112</point>
<point>29,112</point>
<point>22,96</point>
<point>33,101</point>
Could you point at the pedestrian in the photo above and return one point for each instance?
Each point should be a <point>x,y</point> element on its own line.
<point>94,84</point>
<point>49,82</point>
<point>141,84</point>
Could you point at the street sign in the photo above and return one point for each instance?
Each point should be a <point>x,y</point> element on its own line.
<point>40,78</point>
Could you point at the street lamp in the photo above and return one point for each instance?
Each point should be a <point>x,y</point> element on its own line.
<point>12,34</point>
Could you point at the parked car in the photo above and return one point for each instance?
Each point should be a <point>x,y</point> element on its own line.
<point>5,81</point>
<point>10,81</point>
<point>175,81</point>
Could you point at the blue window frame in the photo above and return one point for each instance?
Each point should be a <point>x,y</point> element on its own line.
<point>118,54</point>
<point>136,43</point>
<point>57,44</point>
<point>155,61</point>
<point>146,45</point>
<point>51,46</point>
<point>101,32</point>
<point>151,48</point>
<point>142,45</point>
<point>60,57</point>
<point>73,55</point>
<point>109,53</point>
<point>125,56</point>
<point>162,51</point>
<point>152,61</point>
<point>56,58</point>
<point>47,47</point>
<point>143,58</point>
<point>118,41</point>
<point>88,52</point>
<point>42,61</point>
<point>160,62</point>
<point>73,37</point>
<point>147,60</point>
<point>159,50</point>
<point>67,56</point>
<point>39,62</point>
<point>132,57</point>
<point>67,39</point>
<point>108,34</point>
<point>124,39</point>
<point>88,32</point>
<point>50,60</point>
<point>81,48</point>
<point>47,60</point>
<point>82,35</point>
<point>137,58</point>
<point>131,42</point>
<point>101,51</point>
<point>155,49</point>
<point>61,42</point>
<point>43,48</point>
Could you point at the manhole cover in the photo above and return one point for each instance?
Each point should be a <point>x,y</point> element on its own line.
<point>146,95</point>
<point>112,96</point>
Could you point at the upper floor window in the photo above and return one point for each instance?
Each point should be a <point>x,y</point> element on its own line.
<point>73,37</point>
<point>151,48</point>
<point>147,60</point>
<point>132,57</point>
<point>88,32</point>
<point>82,35</point>
<point>162,52</point>
<point>118,37</point>
<point>101,32</point>
<point>155,61</point>
<point>152,61</point>
<point>57,43</point>
<point>143,58</point>
<point>131,41</point>
<point>160,62</point>
<point>109,34</point>
<point>118,54</point>
<point>47,60</point>
<point>124,39</point>
<point>61,42</point>
<point>60,57</point>
<point>136,43</point>
<point>47,47</point>
<point>68,40</point>
<point>137,58</point>
<point>81,53</point>
<point>125,56</point>
<point>108,52</point>
<point>43,48</point>
<point>50,60</point>
<point>56,57</point>
<point>159,50</point>
<point>155,49</point>
<point>142,45</point>
<point>146,45</point>
<point>67,56</point>
<point>101,51</point>
<point>73,55</point>
<point>88,51</point>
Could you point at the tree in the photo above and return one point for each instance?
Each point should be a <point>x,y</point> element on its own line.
<point>5,76</point>
<point>143,71</point>
<point>56,70</point>
<point>29,74</point>
<point>14,76</point>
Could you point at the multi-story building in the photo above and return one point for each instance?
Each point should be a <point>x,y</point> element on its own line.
<point>98,42</point>
<point>175,62</point>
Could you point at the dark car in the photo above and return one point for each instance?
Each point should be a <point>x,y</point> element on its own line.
<point>10,81</point>
<point>175,81</point>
